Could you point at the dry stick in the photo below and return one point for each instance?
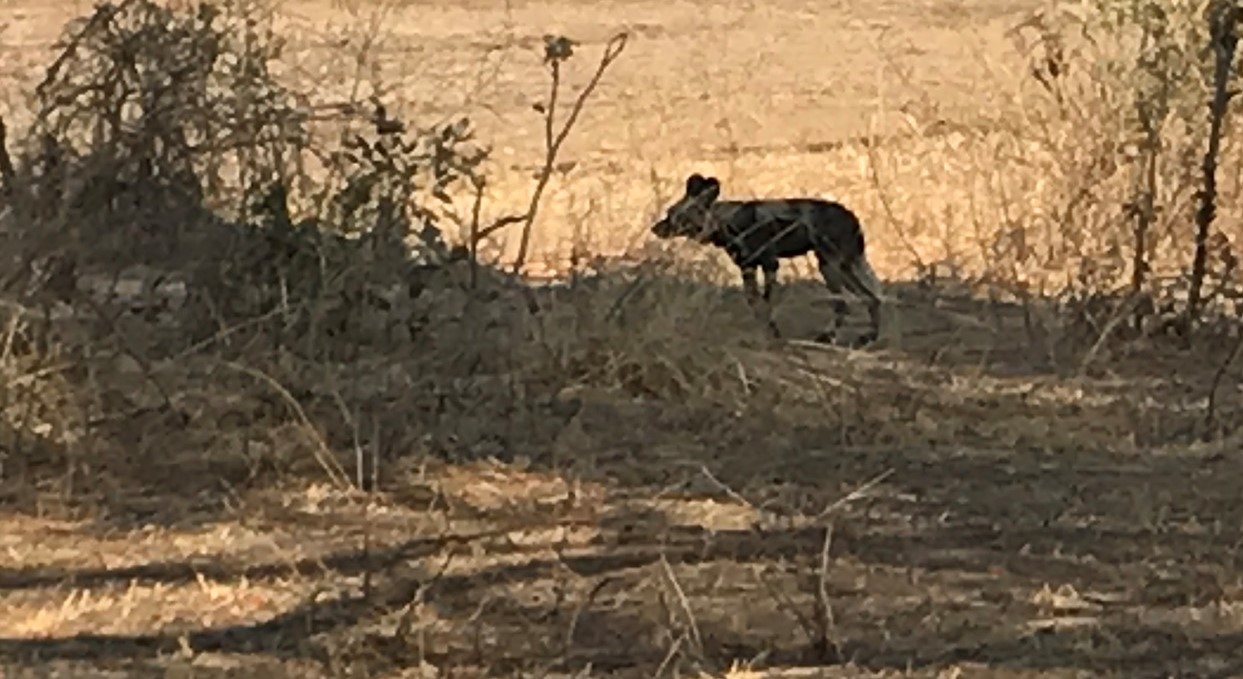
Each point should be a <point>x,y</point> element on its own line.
<point>1223,27</point>
<point>335,170</point>
<point>336,473</point>
<point>670,655</point>
<point>685,603</point>
<point>824,621</point>
<point>375,488</point>
<point>361,486</point>
<point>10,339</point>
<point>818,630</point>
<point>703,469</point>
<point>872,141</point>
<point>568,640</point>
<point>553,143</point>
<point>1144,206</point>
<point>128,348</point>
<point>641,281</point>
<point>1210,409</point>
<point>404,623</point>
<point>375,453</point>
<point>476,206</point>
<point>7,173</point>
<point>1128,305</point>
<point>784,603</point>
<point>352,423</point>
<point>855,494</point>
<point>226,331</point>
<point>26,395</point>
<point>556,51</point>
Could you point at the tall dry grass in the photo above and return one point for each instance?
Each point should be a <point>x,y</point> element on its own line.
<point>1035,191</point>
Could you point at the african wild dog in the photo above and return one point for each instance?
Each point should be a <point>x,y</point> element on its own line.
<point>757,233</point>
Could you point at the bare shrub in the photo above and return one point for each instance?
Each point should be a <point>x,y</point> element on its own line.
<point>152,209</point>
<point>147,112</point>
<point>223,284</point>
<point>1128,81</point>
<point>1082,183</point>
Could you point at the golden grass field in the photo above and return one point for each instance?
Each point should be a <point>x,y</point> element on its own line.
<point>774,99</point>
<point>978,496</point>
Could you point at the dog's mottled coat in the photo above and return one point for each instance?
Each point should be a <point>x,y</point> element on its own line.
<point>756,234</point>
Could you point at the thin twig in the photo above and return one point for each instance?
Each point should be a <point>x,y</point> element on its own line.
<point>1210,409</point>
<point>580,608</point>
<point>670,655</point>
<point>8,175</point>
<point>420,594</point>
<point>684,602</point>
<point>641,281</point>
<point>1223,25</point>
<point>786,604</point>
<point>1121,313</point>
<point>553,142</point>
<point>855,494</point>
<point>825,620</point>
<point>331,466</point>
<point>703,469</point>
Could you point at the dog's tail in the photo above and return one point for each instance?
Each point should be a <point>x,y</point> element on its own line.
<point>865,280</point>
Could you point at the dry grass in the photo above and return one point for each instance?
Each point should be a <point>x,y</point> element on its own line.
<point>634,478</point>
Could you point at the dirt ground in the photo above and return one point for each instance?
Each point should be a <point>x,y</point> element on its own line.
<point>667,555</point>
<point>978,503</point>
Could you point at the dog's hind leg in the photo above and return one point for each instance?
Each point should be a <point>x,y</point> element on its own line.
<point>861,279</point>
<point>831,272</point>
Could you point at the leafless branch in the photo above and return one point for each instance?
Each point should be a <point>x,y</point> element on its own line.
<point>1223,25</point>
<point>557,50</point>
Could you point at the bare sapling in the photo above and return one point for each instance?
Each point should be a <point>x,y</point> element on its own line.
<point>7,173</point>
<point>1151,111</point>
<point>557,51</point>
<point>1223,31</point>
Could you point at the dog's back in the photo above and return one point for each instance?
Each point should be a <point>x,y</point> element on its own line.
<point>758,233</point>
<point>759,230</point>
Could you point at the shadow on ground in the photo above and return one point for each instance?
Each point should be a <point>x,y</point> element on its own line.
<point>1014,559</point>
<point>186,407</point>
<point>1005,528</point>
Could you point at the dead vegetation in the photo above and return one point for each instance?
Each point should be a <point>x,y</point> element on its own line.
<point>275,399</point>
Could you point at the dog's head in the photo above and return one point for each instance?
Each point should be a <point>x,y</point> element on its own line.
<point>691,215</point>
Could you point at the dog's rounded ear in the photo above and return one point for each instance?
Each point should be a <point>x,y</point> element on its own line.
<point>710,189</point>
<point>695,184</point>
